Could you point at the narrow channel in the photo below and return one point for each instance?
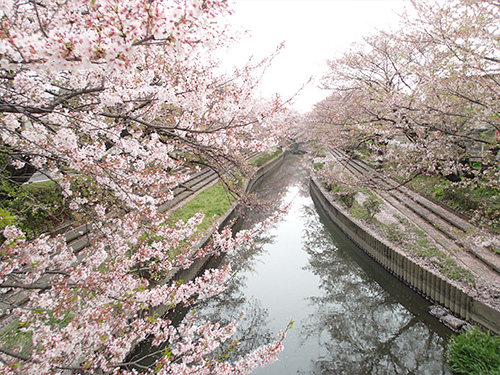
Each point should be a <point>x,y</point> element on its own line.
<point>350,316</point>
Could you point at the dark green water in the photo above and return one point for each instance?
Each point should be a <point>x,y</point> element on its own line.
<point>351,316</point>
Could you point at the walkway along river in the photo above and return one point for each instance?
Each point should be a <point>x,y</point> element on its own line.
<point>351,316</point>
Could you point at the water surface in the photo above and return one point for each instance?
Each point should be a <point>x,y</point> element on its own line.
<point>351,316</point>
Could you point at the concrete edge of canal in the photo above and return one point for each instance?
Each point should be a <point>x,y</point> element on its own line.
<point>433,287</point>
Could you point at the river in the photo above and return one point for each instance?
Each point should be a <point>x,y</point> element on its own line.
<point>350,316</point>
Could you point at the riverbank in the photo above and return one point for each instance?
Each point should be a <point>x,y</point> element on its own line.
<point>228,218</point>
<point>470,292</point>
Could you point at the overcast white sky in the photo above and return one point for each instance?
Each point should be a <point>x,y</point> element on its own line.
<point>313,31</point>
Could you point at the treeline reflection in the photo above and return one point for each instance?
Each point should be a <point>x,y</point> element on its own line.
<point>356,319</point>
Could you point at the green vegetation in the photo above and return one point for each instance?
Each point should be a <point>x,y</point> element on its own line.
<point>405,233</point>
<point>358,212</point>
<point>418,243</point>
<point>36,208</point>
<point>453,271</point>
<point>394,234</point>
<point>348,199</point>
<point>482,204</point>
<point>447,266</point>
<point>423,248</point>
<point>345,194</point>
<point>474,352</point>
<point>263,158</point>
<point>317,166</point>
<point>213,201</point>
<point>467,200</point>
<point>317,148</point>
<point>372,206</point>
<point>6,219</point>
<point>13,337</point>
<point>368,210</point>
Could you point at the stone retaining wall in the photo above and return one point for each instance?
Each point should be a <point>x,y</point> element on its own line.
<point>426,283</point>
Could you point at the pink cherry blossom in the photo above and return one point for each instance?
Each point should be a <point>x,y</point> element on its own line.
<point>118,102</point>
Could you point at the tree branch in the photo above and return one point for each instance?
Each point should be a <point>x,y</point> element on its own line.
<point>16,355</point>
<point>25,286</point>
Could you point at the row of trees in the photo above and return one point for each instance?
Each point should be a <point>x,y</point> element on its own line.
<point>115,102</point>
<point>425,97</point>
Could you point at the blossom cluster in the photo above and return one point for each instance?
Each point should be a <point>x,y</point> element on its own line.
<point>117,102</point>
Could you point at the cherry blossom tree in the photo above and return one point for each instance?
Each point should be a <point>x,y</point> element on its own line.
<point>457,48</point>
<point>424,97</point>
<point>117,102</point>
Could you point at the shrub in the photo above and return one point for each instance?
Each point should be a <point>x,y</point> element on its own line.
<point>347,198</point>
<point>358,212</point>
<point>438,191</point>
<point>345,194</point>
<point>36,208</point>
<point>372,206</point>
<point>481,203</point>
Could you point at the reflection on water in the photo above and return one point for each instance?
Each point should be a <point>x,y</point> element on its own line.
<point>361,321</point>
<point>351,317</point>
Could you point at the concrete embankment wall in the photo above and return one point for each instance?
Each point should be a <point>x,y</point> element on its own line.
<point>263,171</point>
<point>426,283</point>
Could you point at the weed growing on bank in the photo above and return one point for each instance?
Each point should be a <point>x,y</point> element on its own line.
<point>474,351</point>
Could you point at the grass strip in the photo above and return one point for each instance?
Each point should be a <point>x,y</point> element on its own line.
<point>263,158</point>
<point>214,201</point>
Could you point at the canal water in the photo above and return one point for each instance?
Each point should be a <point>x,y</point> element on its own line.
<point>350,316</point>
